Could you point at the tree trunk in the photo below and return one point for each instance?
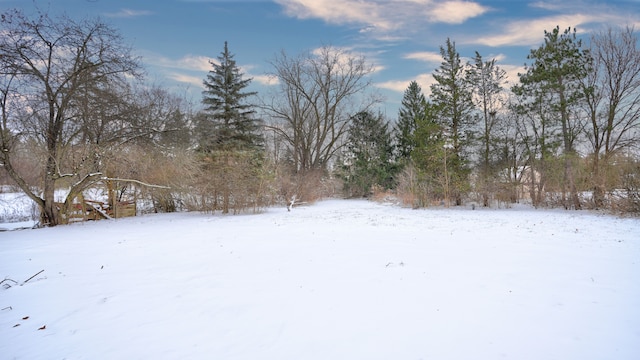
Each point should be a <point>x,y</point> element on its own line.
<point>570,182</point>
<point>575,198</point>
<point>599,183</point>
<point>49,214</point>
<point>569,155</point>
<point>532,188</point>
<point>225,183</point>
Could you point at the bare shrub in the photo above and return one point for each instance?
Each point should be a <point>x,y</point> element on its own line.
<point>627,198</point>
<point>308,187</point>
<point>232,182</point>
<point>410,191</point>
<point>382,195</point>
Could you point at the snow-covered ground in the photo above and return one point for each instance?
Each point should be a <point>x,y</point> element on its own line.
<point>336,280</point>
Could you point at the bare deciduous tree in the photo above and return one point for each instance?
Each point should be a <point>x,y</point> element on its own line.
<point>48,67</point>
<point>317,95</point>
<point>613,101</point>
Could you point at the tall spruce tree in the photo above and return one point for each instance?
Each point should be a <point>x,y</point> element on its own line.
<point>231,141</point>
<point>230,122</point>
<point>411,111</point>
<point>368,156</point>
<point>451,93</point>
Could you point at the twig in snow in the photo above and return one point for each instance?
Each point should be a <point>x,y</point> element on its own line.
<point>7,285</point>
<point>36,274</point>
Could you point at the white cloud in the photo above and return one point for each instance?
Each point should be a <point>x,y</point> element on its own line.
<point>193,62</point>
<point>187,79</point>
<point>187,62</point>
<point>382,17</point>
<point>268,80</point>
<point>456,12</point>
<point>128,13</point>
<point>368,13</point>
<point>424,80</point>
<point>531,32</point>
<point>394,85</point>
<point>426,56</point>
<point>512,73</point>
<point>546,5</point>
<point>499,57</point>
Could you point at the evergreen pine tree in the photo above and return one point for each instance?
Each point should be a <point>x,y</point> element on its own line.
<point>230,139</point>
<point>368,159</point>
<point>230,120</point>
<point>452,95</point>
<point>557,69</point>
<point>428,155</point>
<point>412,110</point>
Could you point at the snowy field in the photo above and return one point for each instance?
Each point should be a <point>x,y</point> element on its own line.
<point>336,280</point>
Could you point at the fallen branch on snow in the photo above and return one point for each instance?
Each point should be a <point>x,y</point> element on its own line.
<point>7,285</point>
<point>36,274</point>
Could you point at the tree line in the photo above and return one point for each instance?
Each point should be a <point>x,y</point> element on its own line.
<point>78,115</point>
<point>566,132</point>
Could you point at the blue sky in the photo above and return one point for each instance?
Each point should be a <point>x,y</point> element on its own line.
<point>401,38</point>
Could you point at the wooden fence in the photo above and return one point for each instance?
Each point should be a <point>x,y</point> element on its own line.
<point>97,210</point>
